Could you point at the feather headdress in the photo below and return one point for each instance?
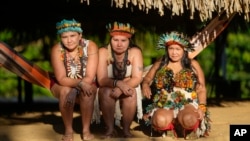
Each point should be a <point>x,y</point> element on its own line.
<point>120,29</point>
<point>174,37</point>
<point>68,25</point>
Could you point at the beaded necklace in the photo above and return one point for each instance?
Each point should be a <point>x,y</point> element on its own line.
<point>73,65</point>
<point>119,68</point>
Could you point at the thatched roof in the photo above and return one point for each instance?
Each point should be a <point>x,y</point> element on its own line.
<point>205,8</point>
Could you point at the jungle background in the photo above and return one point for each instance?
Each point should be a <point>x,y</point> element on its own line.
<point>29,28</point>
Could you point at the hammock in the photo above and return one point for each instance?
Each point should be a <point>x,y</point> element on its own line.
<point>22,67</point>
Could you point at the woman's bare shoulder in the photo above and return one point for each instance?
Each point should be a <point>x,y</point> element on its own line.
<point>135,50</point>
<point>56,47</point>
<point>92,43</point>
<point>103,51</point>
<point>195,63</point>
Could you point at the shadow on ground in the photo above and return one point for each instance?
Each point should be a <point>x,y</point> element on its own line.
<point>48,114</point>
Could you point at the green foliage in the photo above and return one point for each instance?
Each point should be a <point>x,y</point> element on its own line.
<point>147,41</point>
<point>238,56</point>
<point>8,81</point>
<point>39,91</point>
<point>5,35</point>
<point>206,59</point>
<point>33,51</point>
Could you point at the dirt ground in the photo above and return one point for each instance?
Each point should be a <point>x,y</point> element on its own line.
<point>42,122</point>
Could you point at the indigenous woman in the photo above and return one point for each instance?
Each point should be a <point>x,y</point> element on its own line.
<point>119,76</point>
<point>74,61</point>
<point>176,86</point>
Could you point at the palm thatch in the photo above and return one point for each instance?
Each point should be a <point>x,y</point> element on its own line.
<point>205,8</point>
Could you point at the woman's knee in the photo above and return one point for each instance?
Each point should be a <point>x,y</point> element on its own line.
<point>129,100</point>
<point>104,97</point>
<point>60,92</point>
<point>83,98</point>
<point>162,118</point>
<point>104,93</point>
<point>188,120</point>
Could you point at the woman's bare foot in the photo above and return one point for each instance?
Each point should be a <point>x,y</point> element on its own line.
<point>68,137</point>
<point>87,137</point>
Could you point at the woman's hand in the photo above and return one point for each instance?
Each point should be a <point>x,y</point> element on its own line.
<point>126,89</point>
<point>116,93</point>
<point>202,108</point>
<point>87,89</point>
<point>200,113</point>
<point>146,91</point>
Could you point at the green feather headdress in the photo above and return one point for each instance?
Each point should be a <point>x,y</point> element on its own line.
<point>68,25</point>
<point>174,37</point>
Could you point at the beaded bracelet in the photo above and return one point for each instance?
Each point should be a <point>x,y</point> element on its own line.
<point>203,107</point>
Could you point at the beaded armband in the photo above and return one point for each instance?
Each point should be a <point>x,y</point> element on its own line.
<point>203,107</point>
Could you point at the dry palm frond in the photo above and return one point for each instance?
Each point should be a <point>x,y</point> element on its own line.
<point>205,8</point>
